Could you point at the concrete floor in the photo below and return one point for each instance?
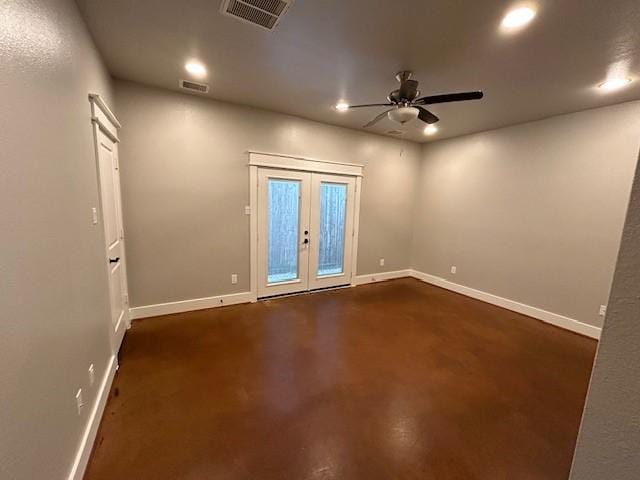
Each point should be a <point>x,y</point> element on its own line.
<point>397,380</point>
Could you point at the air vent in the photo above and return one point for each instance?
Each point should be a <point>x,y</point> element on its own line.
<point>394,132</point>
<point>193,86</point>
<point>263,13</point>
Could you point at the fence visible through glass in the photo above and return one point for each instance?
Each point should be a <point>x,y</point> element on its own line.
<point>333,206</point>
<point>284,218</point>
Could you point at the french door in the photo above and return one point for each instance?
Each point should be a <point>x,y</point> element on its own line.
<point>305,230</point>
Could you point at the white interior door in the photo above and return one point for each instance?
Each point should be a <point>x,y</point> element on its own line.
<point>107,151</point>
<point>332,216</point>
<point>283,231</point>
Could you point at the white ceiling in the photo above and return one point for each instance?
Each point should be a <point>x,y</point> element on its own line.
<point>327,50</point>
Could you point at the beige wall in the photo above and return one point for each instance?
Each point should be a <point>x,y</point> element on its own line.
<point>53,288</point>
<point>609,440</point>
<point>533,212</point>
<point>185,184</point>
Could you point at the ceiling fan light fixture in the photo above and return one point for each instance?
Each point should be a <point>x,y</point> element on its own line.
<point>342,106</point>
<point>403,115</point>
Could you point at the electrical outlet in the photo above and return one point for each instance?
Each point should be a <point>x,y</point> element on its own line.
<point>603,310</point>
<point>79,401</point>
<point>94,216</point>
<point>234,278</point>
<point>92,375</point>
<point>382,262</point>
<point>454,269</point>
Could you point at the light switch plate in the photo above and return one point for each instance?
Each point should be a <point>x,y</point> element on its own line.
<point>79,401</point>
<point>247,210</point>
<point>92,375</point>
<point>603,310</point>
<point>234,278</point>
<point>94,216</point>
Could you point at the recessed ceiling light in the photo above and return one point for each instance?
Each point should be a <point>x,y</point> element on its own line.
<point>430,130</point>
<point>614,84</point>
<point>196,69</point>
<point>518,18</point>
<point>342,106</point>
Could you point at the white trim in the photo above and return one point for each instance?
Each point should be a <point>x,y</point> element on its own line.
<point>190,305</point>
<point>304,158</point>
<point>288,162</point>
<point>356,229</point>
<point>379,277</point>
<point>537,313</point>
<point>97,99</point>
<point>103,117</point>
<point>88,438</point>
<point>253,231</point>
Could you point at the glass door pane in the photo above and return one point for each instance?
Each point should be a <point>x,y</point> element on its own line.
<point>283,227</point>
<point>333,207</point>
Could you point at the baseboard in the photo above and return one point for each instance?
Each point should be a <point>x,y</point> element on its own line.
<point>247,297</point>
<point>548,317</point>
<point>190,305</point>
<point>379,277</point>
<point>89,436</point>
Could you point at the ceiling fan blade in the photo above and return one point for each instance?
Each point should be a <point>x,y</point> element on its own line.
<point>377,119</point>
<point>408,90</point>
<point>449,97</point>
<point>426,116</point>
<point>371,105</point>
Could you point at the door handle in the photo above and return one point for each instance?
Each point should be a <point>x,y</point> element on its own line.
<point>114,260</point>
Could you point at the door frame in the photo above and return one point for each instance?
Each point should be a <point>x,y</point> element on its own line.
<point>290,162</point>
<point>105,122</point>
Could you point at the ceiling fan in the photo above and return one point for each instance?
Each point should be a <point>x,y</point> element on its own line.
<point>406,106</point>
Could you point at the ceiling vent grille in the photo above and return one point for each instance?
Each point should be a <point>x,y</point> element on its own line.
<point>394,132</point>
<point>263,13</point>
<point>193,86</point>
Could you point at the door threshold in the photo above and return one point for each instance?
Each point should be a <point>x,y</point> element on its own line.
<point>304,292</point>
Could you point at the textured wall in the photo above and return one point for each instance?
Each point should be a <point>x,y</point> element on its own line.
<point>609,440</point>
<point>533,212</point>
<point>185,184</point>
<point>53,287</point>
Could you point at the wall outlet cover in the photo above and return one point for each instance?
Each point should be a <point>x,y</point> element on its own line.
<point>382,262</point>
<point>603,310</point>
<point>454,269</point>
<point>234,278</point>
